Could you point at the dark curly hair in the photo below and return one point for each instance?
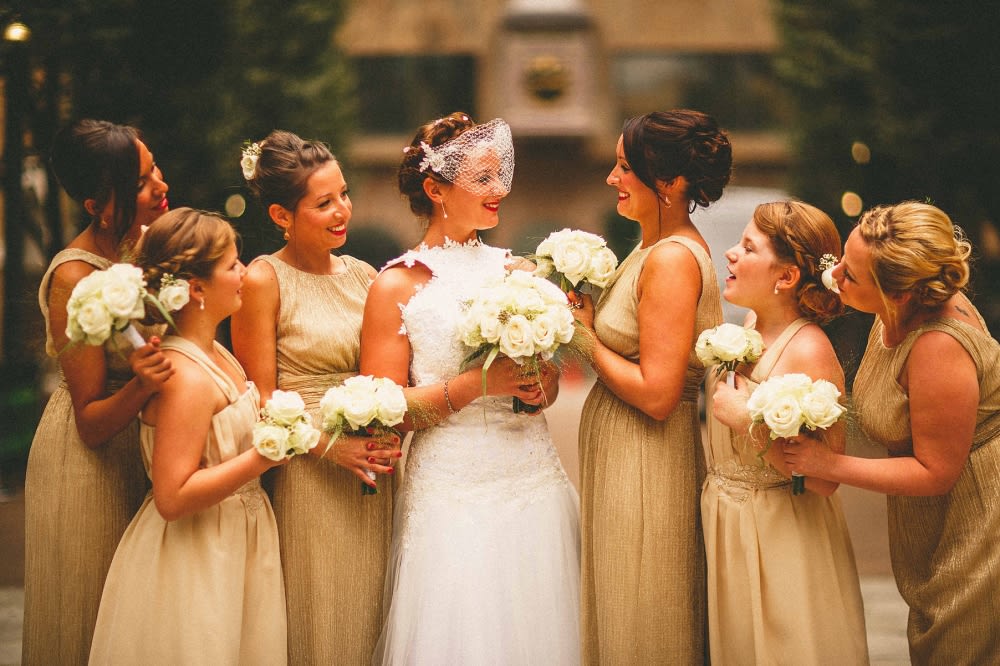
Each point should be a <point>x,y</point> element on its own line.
<point>284,166</point>
<point>410,177</point>
<point>662,145</point>
<point>801,234</point>
<point>99,160</point>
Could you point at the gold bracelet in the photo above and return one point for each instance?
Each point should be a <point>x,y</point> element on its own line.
<point>447,398</point>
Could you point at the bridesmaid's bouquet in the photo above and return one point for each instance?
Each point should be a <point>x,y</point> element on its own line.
<point>284,429</point>
<point>362,405</point>
<point>521,316</point>
<point>787,402</point>
<point>728,345</point>
<point>576,258</point>
<point>109,300</point>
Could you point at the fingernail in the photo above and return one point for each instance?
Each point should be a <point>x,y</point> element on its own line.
<point>391,470</point>
<point>370,446</point>
<point>371,461</point>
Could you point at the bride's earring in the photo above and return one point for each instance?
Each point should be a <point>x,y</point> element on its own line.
<point>443,211</point>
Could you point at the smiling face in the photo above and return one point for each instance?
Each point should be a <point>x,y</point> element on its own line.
<point>855,279</point>
<point>322,216</point>
<point>753,267</point>
<point>151,193</point>
<point>223,290</point>
<point>635,200</point>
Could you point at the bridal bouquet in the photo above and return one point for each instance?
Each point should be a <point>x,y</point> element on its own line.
<point>522,316</point>
<point>575,257</point>
<point>728,345</point>
<point>108,300</point>
<point>284,429</point>
<point>787,402</point>
<point>359,404</point>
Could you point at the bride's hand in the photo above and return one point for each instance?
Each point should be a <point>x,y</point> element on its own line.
<point>506,378</point>
<point>360,454</point>
<point>548,380</point>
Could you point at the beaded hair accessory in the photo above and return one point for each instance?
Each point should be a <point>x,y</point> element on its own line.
<point>480,160</point>
<point>826,264</point>
<point>251,153</point>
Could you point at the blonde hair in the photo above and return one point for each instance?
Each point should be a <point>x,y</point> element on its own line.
<point>801,234</point>
<point>915,248</point>
<point>185,243</point>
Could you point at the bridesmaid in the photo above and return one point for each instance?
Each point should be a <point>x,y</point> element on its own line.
<point>197,576</point>
<point>782,582</point>
<point>928,389</point>
<point>641,461</point>
<point>300,330</point>
<point>84,479</point>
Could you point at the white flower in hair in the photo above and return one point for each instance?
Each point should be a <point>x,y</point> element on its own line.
<point>251,153</point>
<point>826,264</point>
<point>432,159</point>
<point>174,292</point>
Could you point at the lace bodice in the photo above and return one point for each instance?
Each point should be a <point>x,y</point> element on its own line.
<point>485,452</point>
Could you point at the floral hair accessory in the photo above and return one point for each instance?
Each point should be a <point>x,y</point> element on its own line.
<point>480,160</point>
<point>174,292</point>
<point>826,264</point>
<point>251,153</point>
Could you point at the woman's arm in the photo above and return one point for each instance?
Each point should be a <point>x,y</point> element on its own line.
<point>182,414</point>
<point>99,416</point>
<point>668,291</point>
<point>940,379</point>
<point>254,328</point>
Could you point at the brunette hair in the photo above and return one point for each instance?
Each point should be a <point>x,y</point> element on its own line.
<point>662,145</point>
<point>409,177</point>
<point>916,248</point>
<point>801,234</point>
<point>284,166</point>
<point>99,160</point>
<point>184,243</point>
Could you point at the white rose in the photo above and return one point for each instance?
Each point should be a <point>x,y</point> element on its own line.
<point>602,266</point>
<point>331,409</point>
<point>517,339</point>
<point>729,342</point>
<point>829,282</point>
<point>565,326</point>
<point>703,348</point>
<point>285,407</point>
<point>175,296</point>
<point>783,415</point>
<point>572,260</point>
<point>270,440</point>
<point>391,403</point>
<point>820,406</point>
<point>543,267</point>
<point>359,403</point>
<point>122,292</point>
<point>91,324</point>
<point>544,327</point>
<point>755,345</point>
<point>302,438</point>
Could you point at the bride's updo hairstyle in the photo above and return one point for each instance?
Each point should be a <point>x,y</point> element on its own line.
<point>283,168</point>
<point>662,145</point>
<point>915,248</point>
<point>184,243</point>
<point>410,177</point>
<point>801,234</point>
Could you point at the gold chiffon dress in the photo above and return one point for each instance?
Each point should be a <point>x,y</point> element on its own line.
<point>205,588</point>
<point>782,582</point>
<point>77,503</point>
<point>334,540</point>
<point>643,586</point>
<point>945,550</point>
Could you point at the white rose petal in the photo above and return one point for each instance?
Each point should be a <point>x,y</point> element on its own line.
<point>285,407</point>
<point>270,440</point>
<point>829,282</point>
<point>175,296</point>
<point>517,340</point>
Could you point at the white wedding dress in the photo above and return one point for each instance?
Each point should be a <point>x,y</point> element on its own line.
<point>485,560</point>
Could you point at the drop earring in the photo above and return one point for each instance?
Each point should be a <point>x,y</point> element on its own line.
<point>666,200</point>
<point>776,288</point>
<point>443,211</point>
<point>201,305</point>
<point>285,235</point>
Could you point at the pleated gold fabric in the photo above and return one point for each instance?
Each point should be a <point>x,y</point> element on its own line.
<point>643,566</point>
<point>205,589</point>
<point>334,540</point>
<point>78,502</point>
<point>778,564</point>
<point>944,550</point>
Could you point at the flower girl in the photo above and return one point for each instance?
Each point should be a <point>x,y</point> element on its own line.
<point>197,577</point>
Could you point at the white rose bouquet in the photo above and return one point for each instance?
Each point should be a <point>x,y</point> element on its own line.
<point>728,345</point>
<point>787,402</point>
<point>284,429</point>
<point>576,257</point>
<point>523,317</point>
<point>360,403</point>
<point>108,300</point>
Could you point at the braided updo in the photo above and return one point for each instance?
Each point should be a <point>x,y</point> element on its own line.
<point>662,145</point>
<point>185,243</point>
<point>916,248</point>
<point>801,234</point>
<point>283,168</point>
<point>410,177</point>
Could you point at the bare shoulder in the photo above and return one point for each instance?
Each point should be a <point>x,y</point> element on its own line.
<point>399,282</point>
<point>811,352</point>
<point>260,276</point>
<point>67,274</point>
<point>936,348</point>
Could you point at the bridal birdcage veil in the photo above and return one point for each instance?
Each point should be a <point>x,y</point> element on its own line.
<point>479,160</point>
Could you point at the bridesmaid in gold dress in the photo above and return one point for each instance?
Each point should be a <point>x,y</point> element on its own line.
<point>84,479</point>
<point>928,389</point>
<point>197,578</point>
<point>782,582</point>
<point>299,329</point>
<point>641,460</point>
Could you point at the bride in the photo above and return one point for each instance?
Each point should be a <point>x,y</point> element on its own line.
<point>484,564</point>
